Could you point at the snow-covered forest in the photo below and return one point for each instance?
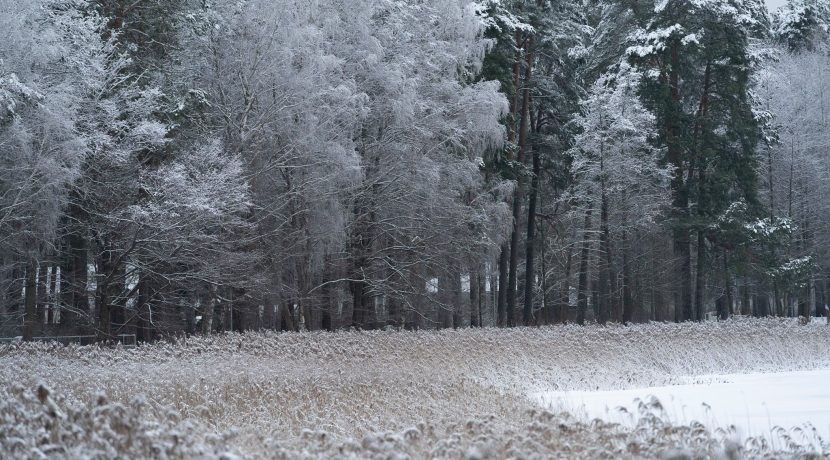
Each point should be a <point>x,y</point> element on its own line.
<point>191,166</point>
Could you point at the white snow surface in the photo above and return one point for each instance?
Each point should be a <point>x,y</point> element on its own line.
<point>756,404</point>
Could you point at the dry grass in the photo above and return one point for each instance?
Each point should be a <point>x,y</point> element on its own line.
<point>440,394</point>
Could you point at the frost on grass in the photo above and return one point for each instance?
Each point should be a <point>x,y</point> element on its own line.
<point>36,423</point>
<point>448,394</point>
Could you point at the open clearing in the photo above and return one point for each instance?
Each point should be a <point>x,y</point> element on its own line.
<point>447,394</point>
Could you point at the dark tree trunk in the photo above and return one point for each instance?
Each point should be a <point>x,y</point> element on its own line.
<point>683,305</point>
<point>658,307</point>
<point>582,288</point>
<point>702,198</point>
<point>502,288</point>
<point>503,318</point>
<point>821,299</point>
<point>603,292</point>
<point>30,300</point>
<point>74,278</point>
<point>699,276</point>
<point>144,326</point>
<point>475,306</point>
<point>594,297</point>
<point>607,282</point>
<point>811,299</point>
<point>394,312</point>
<point>458,304</point>
<point>549,307</point>
<point>530,273</point>
<point>359,307</point>
<point>102,295</point>
<point>682,250</point>
<point>727,281</point>
<point>287,317</point>
<point>492,297</point>
<point>518,195</point>
<point>53,301</point>
<point>42,302</point>
<point>210,311</point>
<point>514,256</point>
<point>565,297</point>
<point>628,299</point>
<point>762,305</point>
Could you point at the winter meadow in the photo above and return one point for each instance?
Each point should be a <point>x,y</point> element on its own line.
<point>414,229</point>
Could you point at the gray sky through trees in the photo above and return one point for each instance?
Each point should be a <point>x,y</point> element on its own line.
<point>775,4</point>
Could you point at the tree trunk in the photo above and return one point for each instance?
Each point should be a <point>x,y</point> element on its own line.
<point>493,295</point>
<point>604,292</point>
<point>514,256</point>
<point>565,296</point>
<point>699,276</point>
<point>530,275</point>
<point>607,283</point>
<point>727,282</point>
<point>502,288</point>
<point>682,250</point>
<point>331,315</point>
<point>287,317</point>
<point>582,288</point>
<point>210,308</point>
<point>475,307</point>
<point>518,195</point>
<point>445,307</point>
<point>307,313</point>
<point>763,308</point>
<point>74,278</point>
<point>54,291</point>
<point>548,307</point>
<point>680,202</point>
<point>808,310</point>
<point>657,304</point>
<point>774,310</point>
<point>44,278</point>
<point>504,256</point>
<point>144,327</point>
<point>460,309</point>
<point>227,315</point>
<point>359,307</point>
<point>628,300</point>
<point>102,297</point>
<point>30,300</point>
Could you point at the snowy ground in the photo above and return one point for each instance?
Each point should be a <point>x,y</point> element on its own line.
<point>445,394</point>
<point>759,405</point>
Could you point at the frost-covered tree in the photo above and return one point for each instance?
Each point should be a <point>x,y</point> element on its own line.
<point>361,142</point>
<point>126,225</point>
<point>48,61</point>
<point>422,210</point>
<point>539,45</point>
<point>696,63</point>
<point>793,90</point>
<point>803,25</point>
<point>290,113</point>
<point>616,169</point>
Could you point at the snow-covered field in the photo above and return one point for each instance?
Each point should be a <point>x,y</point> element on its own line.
<point>758,405</point>
<point>448,394</point>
